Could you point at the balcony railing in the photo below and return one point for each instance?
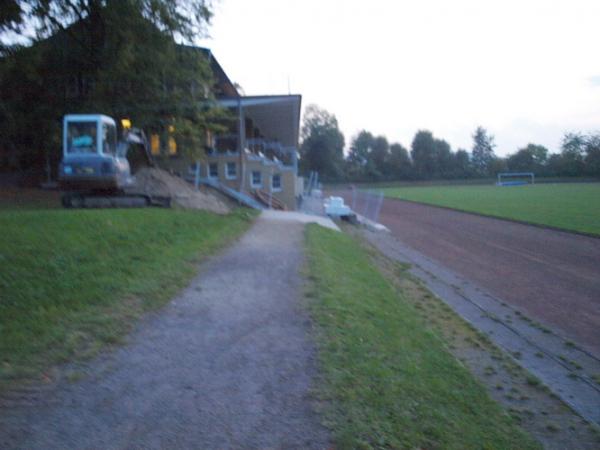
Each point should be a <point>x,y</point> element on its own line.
<point>270,149</point>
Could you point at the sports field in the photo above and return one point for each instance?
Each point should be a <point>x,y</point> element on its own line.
<point>570,206</point>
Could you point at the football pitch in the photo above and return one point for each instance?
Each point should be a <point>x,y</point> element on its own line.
<point>569,206</point>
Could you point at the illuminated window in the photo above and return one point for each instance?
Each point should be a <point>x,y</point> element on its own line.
<point>172,146</point>
<point>155,144</point>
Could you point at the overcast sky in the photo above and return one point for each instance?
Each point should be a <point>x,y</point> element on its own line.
<point>526,70</point>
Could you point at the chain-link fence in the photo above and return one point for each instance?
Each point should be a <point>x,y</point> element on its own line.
<point>367,203</point>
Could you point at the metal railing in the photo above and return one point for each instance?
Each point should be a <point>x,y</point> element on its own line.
<point>239,196</point>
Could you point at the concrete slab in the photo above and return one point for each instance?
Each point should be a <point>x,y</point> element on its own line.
<point>298,217</point>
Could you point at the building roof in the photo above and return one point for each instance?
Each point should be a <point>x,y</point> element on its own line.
<point>225,87</point>
<point>277,116</point>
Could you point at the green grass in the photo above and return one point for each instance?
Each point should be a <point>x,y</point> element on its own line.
<point>73,281</point>
<point>388,381</point>
<point>574,207</point>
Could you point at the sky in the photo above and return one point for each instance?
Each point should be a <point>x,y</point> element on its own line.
<point>526,70</point>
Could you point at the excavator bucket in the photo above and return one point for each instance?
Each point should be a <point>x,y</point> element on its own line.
<point>137,150</point>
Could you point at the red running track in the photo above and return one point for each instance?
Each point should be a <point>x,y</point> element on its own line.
<point>550,275</point>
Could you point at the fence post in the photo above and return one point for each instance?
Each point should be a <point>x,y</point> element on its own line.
<point>378,208</point>
<point>271,188</point>
<point>367,203</point>
<point>197,175</point>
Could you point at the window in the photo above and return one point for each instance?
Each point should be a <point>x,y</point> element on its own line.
<point>256,178</point>
<point>109,139</point>
<point>231,171</point>
<point>276,182</point>
<point>81,137</point>
<point>172,146</point>
<point>213,170</point>
<point>155,144</point>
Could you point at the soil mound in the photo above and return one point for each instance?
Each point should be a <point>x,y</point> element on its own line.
<point>160,183</point>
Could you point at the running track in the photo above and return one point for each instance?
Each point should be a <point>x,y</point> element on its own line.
<point>552,276</point>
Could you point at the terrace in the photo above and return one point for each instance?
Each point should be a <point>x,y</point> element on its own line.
<point>268,127</point>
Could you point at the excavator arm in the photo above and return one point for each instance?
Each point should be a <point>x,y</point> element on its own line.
<point>136,149</point>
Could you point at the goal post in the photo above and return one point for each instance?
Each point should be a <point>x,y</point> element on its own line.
<point>515,178</point>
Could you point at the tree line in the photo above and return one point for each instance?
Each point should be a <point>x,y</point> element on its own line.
<point>374,158</point>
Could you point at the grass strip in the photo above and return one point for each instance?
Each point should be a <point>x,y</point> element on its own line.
<point>569,206</point>
<point>73,281</point>
<point>388,380</point>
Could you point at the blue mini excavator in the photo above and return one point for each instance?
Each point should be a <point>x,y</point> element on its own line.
<point>96,169</point>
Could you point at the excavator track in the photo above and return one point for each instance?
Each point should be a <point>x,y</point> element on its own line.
<point>86,200</point>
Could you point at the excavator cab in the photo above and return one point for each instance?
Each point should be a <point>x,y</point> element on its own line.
<point>91,160</point>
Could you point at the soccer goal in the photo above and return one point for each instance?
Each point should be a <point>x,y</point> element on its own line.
<point>515,178</point>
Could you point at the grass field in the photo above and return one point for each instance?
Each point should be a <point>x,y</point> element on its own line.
<point>574,207</point>
<point>388,380</point>
<point>72,281</point>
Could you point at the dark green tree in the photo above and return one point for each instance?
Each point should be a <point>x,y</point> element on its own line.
<point>322,147</point>
<point>361,146</point>
<point>462,164</point>
<point>497,165</point>
<point>531,158</point>
<point>379,157</point>
<point>482,152</point>
<point>39,19</point>
<point>117,57</point>
<point>592,156</point>
<point>368,156</point>
<point>444,159</point>
<point>423,154</point>
<point>400,165</point>
<point>572,154</point>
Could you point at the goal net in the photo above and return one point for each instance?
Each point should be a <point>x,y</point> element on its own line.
<point>515,178</point>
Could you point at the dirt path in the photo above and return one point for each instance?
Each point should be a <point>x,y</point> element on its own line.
<point>227,364</point>
<point>552,276</point>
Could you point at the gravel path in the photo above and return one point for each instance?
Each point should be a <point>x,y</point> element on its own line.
<point>227,364</point>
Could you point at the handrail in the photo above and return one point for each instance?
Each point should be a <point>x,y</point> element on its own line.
<point>239,196</point>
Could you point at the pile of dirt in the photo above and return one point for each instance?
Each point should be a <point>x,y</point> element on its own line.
<point>157,182</point>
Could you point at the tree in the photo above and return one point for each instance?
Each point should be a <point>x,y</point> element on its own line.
<point>423,153</point>
<point>185,19</point>
<point>118,57</point>
<point>572,154</point>
<point>358,156</point>
<point>482,152</point>
<point>497,165</point>
<point>592,157</point>
<point>379,157</point>
<point>400,165</point>
<point>364,162</point>
<point>322,147</point>
<point>462,164</point>
<point>443,156</point>
<point>531,158</point>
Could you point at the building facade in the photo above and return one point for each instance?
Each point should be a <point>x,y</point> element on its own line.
<point>256,156</point>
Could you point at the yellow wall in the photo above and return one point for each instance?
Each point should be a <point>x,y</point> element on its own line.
<point>287,195</point>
